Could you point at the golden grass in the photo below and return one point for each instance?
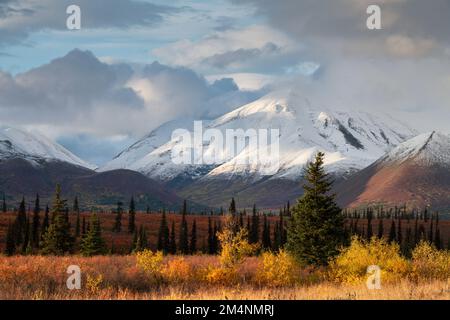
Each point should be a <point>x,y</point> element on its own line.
<point>119,278</point>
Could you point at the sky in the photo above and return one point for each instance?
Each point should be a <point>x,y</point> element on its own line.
<point>135,65</point>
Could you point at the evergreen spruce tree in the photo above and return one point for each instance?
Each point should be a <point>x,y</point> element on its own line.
<point>83,227</point>
<point>316,230</point>
<point>369,225</point>
<point>266,242</point>
<point>193,243</point>
<point>132,216</point>
<point>232,209</point>
<point>36,223</point>
<point>172,240</point>
<point>210,237</point>
<point>163,235</point>
<point>430,231</point>
<point>380,228</point>
<point>57,240</point>
<point>27,236</point>
<point>140,241</point>
<point>76,210</point>
<point>416,230</point>
<point>254,232</point>
<point>184,209</point>
<point>408,243</point>
<point>282,232</point>
<point>118,219</point>
<point>92,243</point>
<point>20,223</point>
<point>399,232</point>
<point>10,240</point>
<point>183,245</point>
<point>45,222</point>
<point>276,237</point>
<point>392,232</point>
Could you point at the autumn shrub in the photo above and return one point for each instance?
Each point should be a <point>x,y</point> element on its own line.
<point>234,245</point>
<point>277,269</point>
<point>223,276</point>
<point>350,266</point>
<point>151,263</point>
<point>429,262</point>
<point>178,270</point>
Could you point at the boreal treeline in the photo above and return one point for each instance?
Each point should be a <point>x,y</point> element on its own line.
<point>397,224</point>
<point>61,229</point>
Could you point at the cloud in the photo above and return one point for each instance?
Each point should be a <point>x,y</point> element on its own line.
<point>415,26</point>
<point>19,18</point>
<point>257,48</point>
<point>79,96</point>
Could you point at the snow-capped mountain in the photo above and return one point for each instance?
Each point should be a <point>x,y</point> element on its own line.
<point>34,147</point>
<point>350,139</point>
<point>416,173</point>
<point>427,149</point>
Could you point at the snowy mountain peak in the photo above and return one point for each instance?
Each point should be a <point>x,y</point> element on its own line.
<point>425,149</point>
<point>34,147</point>
<point>350,139</point>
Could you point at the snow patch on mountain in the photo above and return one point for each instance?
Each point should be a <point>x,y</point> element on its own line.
<point>350,139</point>
<point>34,147</point>
<point>432,148</point>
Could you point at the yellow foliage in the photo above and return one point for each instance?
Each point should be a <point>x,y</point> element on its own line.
<point>222,276</point>
<point>277,269</point>
<point>234,245</point>
<point>351,264</point>
<point>429,262</point>
<point>178,270</point>
<point>150,262</point>
<point>93,283</point>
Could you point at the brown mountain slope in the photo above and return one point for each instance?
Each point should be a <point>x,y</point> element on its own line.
<point>19,178</point>
<point>415,173</point>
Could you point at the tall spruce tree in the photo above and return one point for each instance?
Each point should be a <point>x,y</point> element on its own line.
<point>316,230</point>
<point>193,243</point>
<point>20,224</point>
<point>380,228</point>
<point>183,244</point>
<point>266,241</point>
<point>392,232</point>
<point>36,224</point>
<point>254,232</point>
<point>232,209</point>
<point>369,224</point>
<point>399,232</point>
<point>118,219</point>
<point>132,216</point>
<point>172,240</point>
<point>163,234</point>
<point>210,237</point>
<point>57,240</point>
<point>45,222</point>
<point>76,210</point>
<point>92,243</point>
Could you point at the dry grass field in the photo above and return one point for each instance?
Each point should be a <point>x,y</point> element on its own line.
<point>119,277</point>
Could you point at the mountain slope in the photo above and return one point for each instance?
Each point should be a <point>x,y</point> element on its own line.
<point>33,147</point>
<point>417,173</point>
<point>20,177</point>
<point>350,139</point>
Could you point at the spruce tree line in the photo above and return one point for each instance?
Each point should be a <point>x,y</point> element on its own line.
<point>407,228</point>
